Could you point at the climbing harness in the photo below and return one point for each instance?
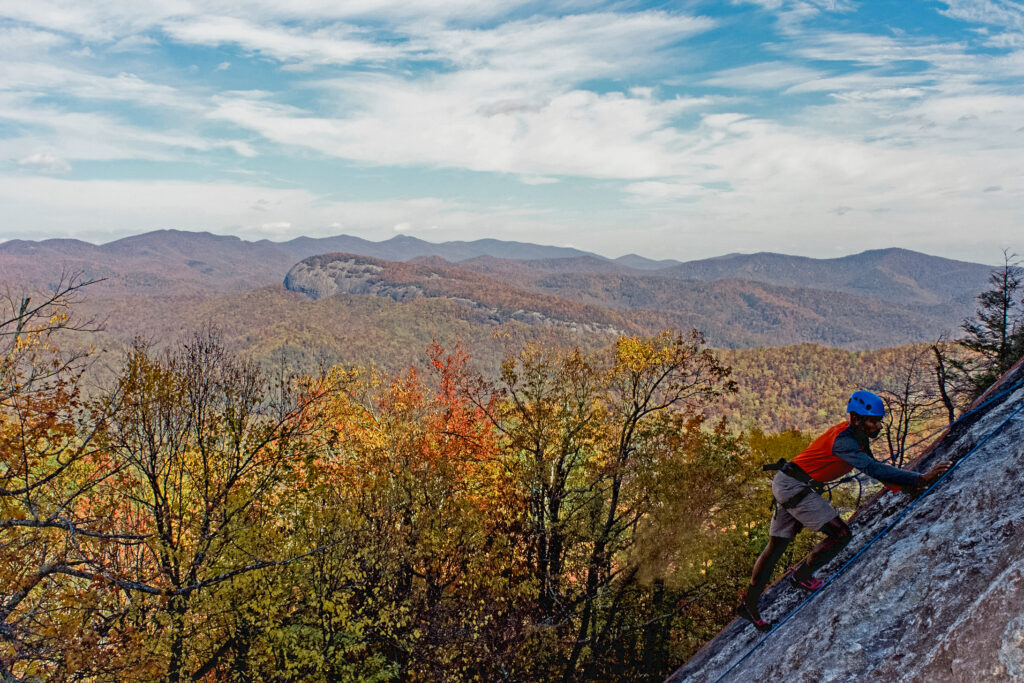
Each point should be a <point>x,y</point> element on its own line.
<point>899,517</point>
<point>791,469</point>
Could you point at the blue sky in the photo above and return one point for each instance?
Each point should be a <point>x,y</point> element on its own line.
<point>669,129</point>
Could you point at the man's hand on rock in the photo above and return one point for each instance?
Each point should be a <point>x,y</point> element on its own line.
<point>937,470</point>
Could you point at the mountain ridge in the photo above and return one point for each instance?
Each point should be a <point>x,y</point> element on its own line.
<point>732,313</point>
<point>459,250</point>
<point>879,297</point>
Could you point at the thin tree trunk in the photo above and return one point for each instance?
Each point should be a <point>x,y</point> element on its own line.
<point>942,378</point>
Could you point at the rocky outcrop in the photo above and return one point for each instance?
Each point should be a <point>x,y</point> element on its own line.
<point>319,277</point>
<point>939,596</point>
<point>489,300</point>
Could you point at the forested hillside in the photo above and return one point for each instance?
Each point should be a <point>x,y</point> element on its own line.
<point>806,386</point>
<point>779,387</point>
<point>732,313</point>
<point>193,517</point>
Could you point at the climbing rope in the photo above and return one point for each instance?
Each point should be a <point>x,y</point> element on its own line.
<point>899,517</point>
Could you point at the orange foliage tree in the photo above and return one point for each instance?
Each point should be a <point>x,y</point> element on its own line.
<point>51,462</point>
<point>404,487</point>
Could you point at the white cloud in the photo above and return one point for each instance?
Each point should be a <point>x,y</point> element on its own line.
<point>133,43</point>
<point>802,188</point>
<point>24,41</point>
<point>44,162</point>
<point>881,94</point>
<point>97,136</point>
<point>764,4</point>
<point>106,21</point>
<point>875,50</point>
<point>322,46</point>
<point>1005,40</point>
<point>659,190</point>
<point>1005,13</point>
<point>791,16</point>
<point>395,11</point>
<point>32,78</point>
<point>861,82</point>
<point>510,106</point>
<point>98,20</point>
<point>574,47</point>
<point>779,192</point>
<point>765,76</point>
<point>440,124</point>
<point>280,229</point>
<point>537,180</point>
<point>830,5</point>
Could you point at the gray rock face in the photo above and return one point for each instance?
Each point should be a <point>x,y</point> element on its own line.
<point>939,597</point>
<point>328,275</point>
<point>319,278</point>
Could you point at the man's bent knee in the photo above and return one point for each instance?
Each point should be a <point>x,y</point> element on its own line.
<point>837,529</point>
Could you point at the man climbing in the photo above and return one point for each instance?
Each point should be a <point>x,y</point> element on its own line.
<point>796,490</point>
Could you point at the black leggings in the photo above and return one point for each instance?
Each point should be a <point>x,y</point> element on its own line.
<point>838,537</point>
<point>837,534</point>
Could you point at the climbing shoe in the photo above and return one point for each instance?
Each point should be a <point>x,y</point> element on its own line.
<point>743,612</point>
<point>810,584</point>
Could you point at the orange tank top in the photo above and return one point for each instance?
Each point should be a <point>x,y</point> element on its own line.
<point>817,459</point>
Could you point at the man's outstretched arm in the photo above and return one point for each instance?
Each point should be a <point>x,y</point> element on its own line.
<point>847,448</point>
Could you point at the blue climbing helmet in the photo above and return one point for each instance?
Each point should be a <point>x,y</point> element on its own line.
<point>865,403</point>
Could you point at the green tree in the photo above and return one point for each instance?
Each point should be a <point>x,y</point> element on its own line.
<point>996,334</point>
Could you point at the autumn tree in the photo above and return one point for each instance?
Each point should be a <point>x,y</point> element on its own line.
<point>35,337</point>
<point>696,547</point>
<point>580,436</point>
<point>51,463</point>
<point>913,403</point>
<point>205,446</point>
<point>403,484</point>
<point>579,518</point>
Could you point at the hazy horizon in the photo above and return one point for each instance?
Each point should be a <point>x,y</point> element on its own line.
<point>540,244</point>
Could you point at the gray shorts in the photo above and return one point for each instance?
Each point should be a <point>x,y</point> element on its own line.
<point>812,512</point>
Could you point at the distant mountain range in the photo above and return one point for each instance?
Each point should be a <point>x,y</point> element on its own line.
<point>876,298</point>
<point>166,261</point>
